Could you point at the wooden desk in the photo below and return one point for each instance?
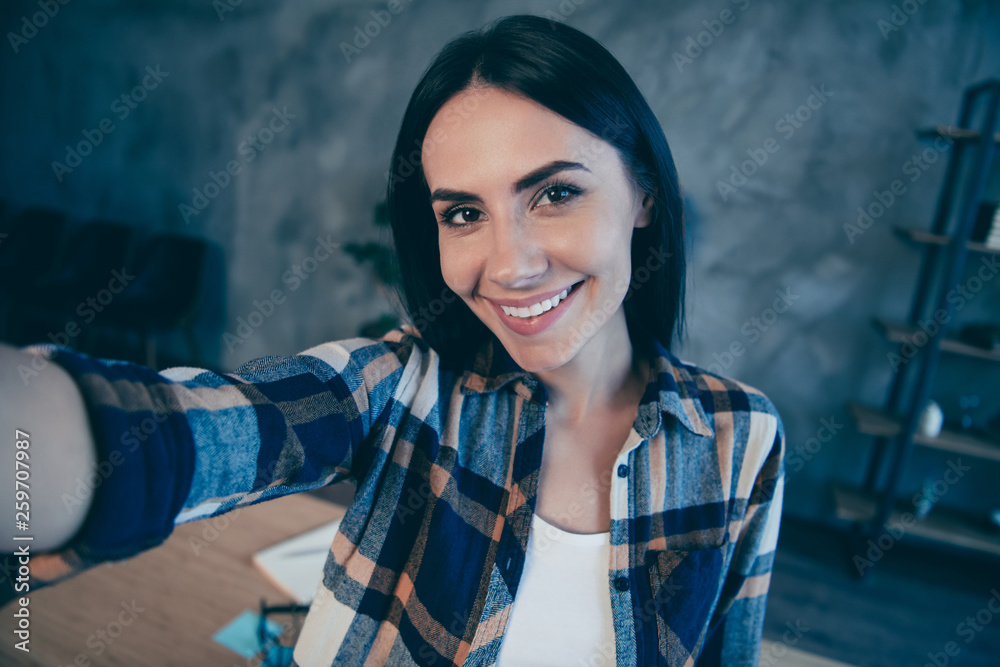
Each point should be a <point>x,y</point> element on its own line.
<point>185,597</point>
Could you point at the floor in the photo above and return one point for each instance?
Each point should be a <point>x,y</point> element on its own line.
<point>911,609</point>
<point>779,654</point>
<point>917,604</point>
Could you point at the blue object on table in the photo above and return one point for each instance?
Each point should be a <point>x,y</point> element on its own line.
<point>240,635</point>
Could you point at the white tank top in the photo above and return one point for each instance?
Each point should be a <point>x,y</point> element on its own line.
<point>562,612</point>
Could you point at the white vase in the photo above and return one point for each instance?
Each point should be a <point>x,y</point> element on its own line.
<point>931,420</point>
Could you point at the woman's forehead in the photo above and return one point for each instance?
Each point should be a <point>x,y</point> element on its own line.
<point>492,133</point>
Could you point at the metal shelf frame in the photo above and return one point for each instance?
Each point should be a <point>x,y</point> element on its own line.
<point>942,265</point>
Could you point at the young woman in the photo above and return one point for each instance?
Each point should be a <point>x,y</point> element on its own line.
<point>539,480</point>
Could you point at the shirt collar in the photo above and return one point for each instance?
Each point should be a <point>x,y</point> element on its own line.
<point>491,368</point>
<point>672,387</point>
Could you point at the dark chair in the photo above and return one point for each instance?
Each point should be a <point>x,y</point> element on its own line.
<point>80,285</point>
<point>28,247</point>
<point>6,216</point>
<point>169,274</point>
<point>29,241</point>
<point>97,252</point>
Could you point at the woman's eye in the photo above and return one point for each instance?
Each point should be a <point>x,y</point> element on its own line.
<point>555,194</point>
<point>461,216</point>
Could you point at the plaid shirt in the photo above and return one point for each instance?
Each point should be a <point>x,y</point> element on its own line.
<point>425,567</point>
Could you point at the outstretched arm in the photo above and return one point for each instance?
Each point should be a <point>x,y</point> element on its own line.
<point>184,444</point>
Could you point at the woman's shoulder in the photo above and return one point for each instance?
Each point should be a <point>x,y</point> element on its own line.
<point>396,349</point>
<point>744,406</point>
<point>714,390</point>
<point>749,437</point>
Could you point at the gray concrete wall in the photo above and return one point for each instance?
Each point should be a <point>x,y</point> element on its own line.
<point>226,68</point>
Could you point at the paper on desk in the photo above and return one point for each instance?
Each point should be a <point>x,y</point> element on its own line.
<point>296,565</point>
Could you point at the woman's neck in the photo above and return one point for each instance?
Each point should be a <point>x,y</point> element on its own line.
<point>606,373</point>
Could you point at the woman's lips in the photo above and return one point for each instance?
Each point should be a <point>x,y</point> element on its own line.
<point>535,323</point>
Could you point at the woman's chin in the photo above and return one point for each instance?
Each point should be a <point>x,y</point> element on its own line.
<point>540,357</point>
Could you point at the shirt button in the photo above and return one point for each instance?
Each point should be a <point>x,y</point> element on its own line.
<point>623,470</point>
<point>621,583</point>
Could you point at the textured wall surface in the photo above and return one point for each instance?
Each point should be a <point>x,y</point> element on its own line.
<point>722,76</point>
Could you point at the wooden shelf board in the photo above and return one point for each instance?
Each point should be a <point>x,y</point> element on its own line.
<point>898,332</point>
<point>872,421</point>
<point>920,236</point>
<point>953,132</point>
<point>941,525</point>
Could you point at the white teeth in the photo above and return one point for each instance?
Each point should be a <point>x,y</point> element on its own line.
<point>536,309</point>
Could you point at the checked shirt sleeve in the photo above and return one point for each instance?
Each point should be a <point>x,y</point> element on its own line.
<point>735,632</point>
<point>184,443</point>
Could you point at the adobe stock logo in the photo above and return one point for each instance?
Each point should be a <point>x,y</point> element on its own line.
<point>294,277</point>
<point>898,524</point>
<point>786,125</point>
<point>222,7</point>
<point>714,27</point>
<point>967,629</point>
<point>883,200</point>
<point>899,17</point>
<point>753,329</point>
<point>566,7</point>
<point>38,20</point>
<point>86,309</point>
<point>249,149</point>
<point>381,18</point>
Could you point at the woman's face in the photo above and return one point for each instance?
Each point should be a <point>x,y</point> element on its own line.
<point>535,219</point>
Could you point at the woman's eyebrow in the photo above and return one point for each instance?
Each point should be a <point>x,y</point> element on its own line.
<point>444,194</point>
<point>545,171</point>
<point>531,179</point>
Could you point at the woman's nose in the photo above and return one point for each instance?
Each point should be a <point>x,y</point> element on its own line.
<point>516,256</point>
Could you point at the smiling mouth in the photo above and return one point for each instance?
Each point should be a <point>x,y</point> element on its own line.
<point>542,306</point>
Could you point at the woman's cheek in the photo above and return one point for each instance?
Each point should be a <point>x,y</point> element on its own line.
<point>456,270</point>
